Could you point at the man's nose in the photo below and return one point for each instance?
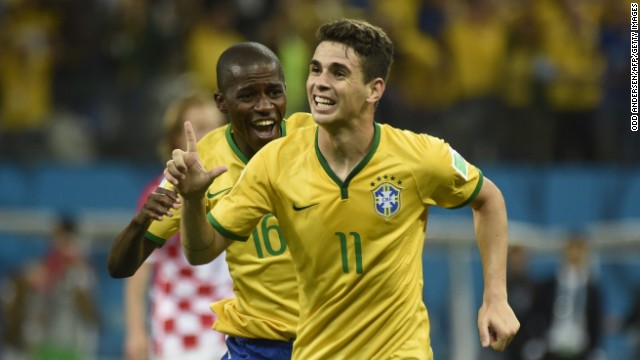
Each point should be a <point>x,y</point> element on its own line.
<point>264,103</point>
<point>320,81</point>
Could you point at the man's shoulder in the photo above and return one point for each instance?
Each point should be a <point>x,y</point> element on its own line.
<point>408,138</point>
<point>415,149</point>
<point>295,144</point>
<point>297,121</point>
<point>214,147</point>
<point>213,137</point>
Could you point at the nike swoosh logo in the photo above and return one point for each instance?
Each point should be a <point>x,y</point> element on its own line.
<point>211,196</point>
<point>295,208</point>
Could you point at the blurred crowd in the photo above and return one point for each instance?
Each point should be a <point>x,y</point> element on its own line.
<point>49,306</point>
<point>541,81</point>
<point>564,313</point>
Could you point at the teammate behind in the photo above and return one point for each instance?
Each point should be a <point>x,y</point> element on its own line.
<point>261,320</point>
<point>166,280</point>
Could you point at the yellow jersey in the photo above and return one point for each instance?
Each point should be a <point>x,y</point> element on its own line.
<point>356,244</point>
<point>264,282</point>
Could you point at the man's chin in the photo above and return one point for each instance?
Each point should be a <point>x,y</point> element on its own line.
<point>321,118</point>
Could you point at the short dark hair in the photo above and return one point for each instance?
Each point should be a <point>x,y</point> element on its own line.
<point>370,42</point>
<point>244,54</point>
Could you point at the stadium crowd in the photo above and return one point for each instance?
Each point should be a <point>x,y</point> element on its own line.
<point>503,80</point>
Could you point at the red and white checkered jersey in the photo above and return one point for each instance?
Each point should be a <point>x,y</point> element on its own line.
<point>181,294</point>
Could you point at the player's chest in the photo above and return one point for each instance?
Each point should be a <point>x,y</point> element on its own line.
<point>377,192</point>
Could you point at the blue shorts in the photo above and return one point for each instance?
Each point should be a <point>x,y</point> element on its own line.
<point>239,348</point>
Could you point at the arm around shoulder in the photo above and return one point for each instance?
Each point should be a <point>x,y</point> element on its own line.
<point>130,249</point>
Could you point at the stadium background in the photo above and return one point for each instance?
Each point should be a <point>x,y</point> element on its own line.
<point>83,85</point>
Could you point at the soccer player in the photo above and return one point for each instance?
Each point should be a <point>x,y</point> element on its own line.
<point>176,288</point>
<point>352,198</point>
<point>261,320</point>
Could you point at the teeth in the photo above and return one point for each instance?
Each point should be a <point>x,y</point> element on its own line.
<point>323,101</point>
<point>264,123</point>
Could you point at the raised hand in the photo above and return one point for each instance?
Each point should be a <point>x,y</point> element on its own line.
<point>186,172</point>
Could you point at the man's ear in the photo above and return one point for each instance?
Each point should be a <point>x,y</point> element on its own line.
<point>376,89</point>
<point>220,103</point>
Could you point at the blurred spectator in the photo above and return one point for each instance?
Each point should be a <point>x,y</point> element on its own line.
<point>27,39</point>
<point>80,69</point>
<point>213,32</point>
<point>525,107</point>
<point>179,317</point>
<point>422,88</point>
<point>569,306</point>
<point>289,39</point>
<point>251,15</point>
<point>20,292</point>
<point>137,47</point>
<point>476,39</point>
<point>521,292</point>
<point>574,67</point>
<point>51,310</point>
<point>632,325</point>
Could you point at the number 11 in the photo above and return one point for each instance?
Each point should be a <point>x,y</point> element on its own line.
<point>357,243</point>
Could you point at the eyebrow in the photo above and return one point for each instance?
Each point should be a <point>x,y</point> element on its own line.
<point>332,66</point>
<point>252,86</point>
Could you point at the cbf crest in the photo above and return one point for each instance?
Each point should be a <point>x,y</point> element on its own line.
<point>386,196</point>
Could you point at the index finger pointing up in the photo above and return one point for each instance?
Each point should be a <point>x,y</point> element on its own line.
<point>192,143</point>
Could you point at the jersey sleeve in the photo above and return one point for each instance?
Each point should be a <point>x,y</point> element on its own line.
<point>161,230</point>
<point>238,213</point>
<point>457,181</point>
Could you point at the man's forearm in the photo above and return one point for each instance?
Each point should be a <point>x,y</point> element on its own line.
<point>200,241</point>
<point>130,249</point>
<point>490,220</point>
<point>497,324</point>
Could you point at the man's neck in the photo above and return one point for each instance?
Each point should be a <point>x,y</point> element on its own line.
<point>346,146</point>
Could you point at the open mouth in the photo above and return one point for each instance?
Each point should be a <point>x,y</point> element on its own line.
<point>323,102</point>
<point>264,127</point>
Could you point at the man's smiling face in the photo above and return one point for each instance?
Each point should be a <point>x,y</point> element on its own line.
<point>335,85</point>
<point>255,102</point>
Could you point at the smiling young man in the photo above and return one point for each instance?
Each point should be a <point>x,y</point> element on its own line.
<point>352,198</point>
<point>260,322</point>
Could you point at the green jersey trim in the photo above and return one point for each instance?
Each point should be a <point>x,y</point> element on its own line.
<point>244,158</point>
<point>344,186</point>
<point>474,194</point>
<point>155,239</point>
<point>226,233</point>
<point>235,147</point>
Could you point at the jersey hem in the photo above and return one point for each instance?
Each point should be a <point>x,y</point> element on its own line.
<point>155,239</point>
